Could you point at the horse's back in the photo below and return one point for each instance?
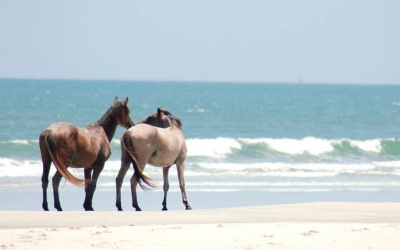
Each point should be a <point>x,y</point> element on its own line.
<point>60,128</point>
<point>147,133</point>
<point>140,132</point>
<point>86,144</point>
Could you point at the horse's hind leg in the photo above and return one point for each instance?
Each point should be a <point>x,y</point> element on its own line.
<point>125,162</point>
<point>45,182</point>
<point>181,169</point>
<point>56,183</point>
<point>166,187</point>
<point>46,159</point>
<point>134,182</point>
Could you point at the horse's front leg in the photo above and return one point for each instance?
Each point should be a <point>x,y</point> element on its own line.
<point>181,170</point>
<point>125,162</point>
<point>88,181</point>
<point>166,187</point>
<point>92,187</point>
<point>56,183</point>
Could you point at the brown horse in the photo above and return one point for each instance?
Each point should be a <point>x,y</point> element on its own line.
<point>68,146</point>
<point>160,147</point>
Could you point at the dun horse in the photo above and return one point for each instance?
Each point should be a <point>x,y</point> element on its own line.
<point>68,146</point>
<point>160,147</point>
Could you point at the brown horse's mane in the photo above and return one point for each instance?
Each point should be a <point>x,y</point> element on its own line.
<point>108,120</point>
<point>109,116</point>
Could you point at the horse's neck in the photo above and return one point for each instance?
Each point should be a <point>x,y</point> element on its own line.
<point>109,126</point>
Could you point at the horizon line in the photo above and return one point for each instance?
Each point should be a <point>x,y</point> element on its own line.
<point>300,82</point>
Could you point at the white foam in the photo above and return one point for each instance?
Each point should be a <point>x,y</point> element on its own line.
<point>20,142</point>
<point>219,147</point>
<point>368,145</point>
<point>310,145</point>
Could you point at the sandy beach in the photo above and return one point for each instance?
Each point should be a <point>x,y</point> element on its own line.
<point>328,225</point>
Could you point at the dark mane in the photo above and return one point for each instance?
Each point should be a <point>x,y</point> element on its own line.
<point>162,118</point>
<point>109,116</point>
<point>110,119</point>
<point>176,121</point>
<point>166,112</point>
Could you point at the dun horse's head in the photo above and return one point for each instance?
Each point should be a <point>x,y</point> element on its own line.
<point>123,112</point>
<point>161,119</point>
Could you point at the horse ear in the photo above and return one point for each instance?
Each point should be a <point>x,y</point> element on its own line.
<point>116,100</point>
<point>125,101</point>
<point>159,110</point>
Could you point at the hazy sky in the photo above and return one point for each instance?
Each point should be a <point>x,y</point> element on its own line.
<point>318,41</point>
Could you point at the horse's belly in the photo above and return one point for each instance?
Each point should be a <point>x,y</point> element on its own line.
<point>82,163</point>
<point>87,159</point>
<point>159,161</point>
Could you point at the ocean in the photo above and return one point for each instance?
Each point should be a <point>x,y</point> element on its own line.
<point>248,143</point>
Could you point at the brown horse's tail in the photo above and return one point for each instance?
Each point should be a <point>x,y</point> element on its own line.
<point>145,182</point>
<point>60,158</point>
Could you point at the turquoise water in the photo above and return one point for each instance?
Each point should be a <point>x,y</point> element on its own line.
<point>293,140</point>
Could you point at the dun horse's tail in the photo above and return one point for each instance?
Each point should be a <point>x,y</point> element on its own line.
<point>145,182</point>
<point>60,158</point>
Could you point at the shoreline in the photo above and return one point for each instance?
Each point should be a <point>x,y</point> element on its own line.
<point>72,198</point>
<point>336,225</point>
<point>316,212</point>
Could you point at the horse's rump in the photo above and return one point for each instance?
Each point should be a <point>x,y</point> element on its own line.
<point>60,155</point>
<point>145,182</point>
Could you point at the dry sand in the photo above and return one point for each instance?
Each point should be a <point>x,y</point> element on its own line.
<point>295,226</point>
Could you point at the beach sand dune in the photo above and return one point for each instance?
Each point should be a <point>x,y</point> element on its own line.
<point>293,226</point>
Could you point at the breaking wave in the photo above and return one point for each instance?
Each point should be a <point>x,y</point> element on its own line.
<point>286,147</point>
<point>308,164</point>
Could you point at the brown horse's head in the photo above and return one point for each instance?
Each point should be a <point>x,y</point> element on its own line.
<point>161,119</point>
<point>121,111</point>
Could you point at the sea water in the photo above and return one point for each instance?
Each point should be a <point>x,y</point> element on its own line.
<point>248,144</point>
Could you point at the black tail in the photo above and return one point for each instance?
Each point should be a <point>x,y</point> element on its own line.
<point>145,182</point>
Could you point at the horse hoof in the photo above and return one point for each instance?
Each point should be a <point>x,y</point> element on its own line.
<point>164,209</point>
<point>119,206</point>
<point>188,208</point>
<point>138,209</point>
<point>45,207</point>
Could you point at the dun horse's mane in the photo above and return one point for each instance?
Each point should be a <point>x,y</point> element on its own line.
<point>157,115</point>
<point>176,121</point>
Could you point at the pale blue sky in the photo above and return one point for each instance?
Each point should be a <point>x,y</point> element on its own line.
<point>318,41</point>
